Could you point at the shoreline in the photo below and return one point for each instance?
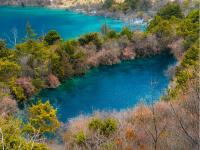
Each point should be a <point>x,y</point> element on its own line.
<point>94,11</point>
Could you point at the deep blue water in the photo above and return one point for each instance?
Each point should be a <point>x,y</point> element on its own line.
<point>105,88</point>
<point>69,24</point>
<point>111,87</point>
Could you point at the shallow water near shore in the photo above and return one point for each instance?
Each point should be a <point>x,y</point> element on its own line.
<point>69,24</point>
<point>110,88</point>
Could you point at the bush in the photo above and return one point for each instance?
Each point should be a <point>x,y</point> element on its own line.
<point>112,34</point>
<point>10,129</point>
<point>8,70</point>
<point>42,118</point>
<point>106,126</point>
<point>127,32</point>
<point>80,138</point>
<point>70,46</point>
<point>138,4</point>
<point>191,56</point>
<point>51,37</point>
<point>18,92</point>
<point>182,77</point>
<point>2,45</point>
<point>91,38</point>
<point>171,9</point>
<point>95,124</point>
<point>108,4</point>
<point>38,83</point>
<point>8,106</point>
<point>109,126</point>
<point>26,84</point>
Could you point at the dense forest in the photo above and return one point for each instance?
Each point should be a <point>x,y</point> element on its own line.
<point>44,62</point>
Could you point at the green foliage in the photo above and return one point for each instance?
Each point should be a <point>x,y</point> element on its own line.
<point>132,3</point>
<point>182,77</point>
<point>8,70</point>
<point>61,66</point>
<point>37,57</point>
<point>37,50</point>
<point>70,46</point>
<point>189,28</point>
<point>138,4</point>
<point>42,118</point>
<point>171,9</point>
<point>30,33</point>
<point>38,83</point>
<point>108,3</point>
<point>126,32</point>
<point>106,126</point>
<point>191,57</point>
<point>194,16</point>
<point>111,34</point>
<point>95,124</point>
<point>187,70</point>
<point>52,37</point>
<point>6,54</point>
<point>18,92</point>
<point>11,130</point>
<point>2,45</point>
<point>163,29</point>
<point>109,126</point>
<point>80,138</point>
<point>91,38</point>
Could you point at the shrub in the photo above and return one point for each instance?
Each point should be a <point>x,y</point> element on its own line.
<point>138,4</point>
<point>80,138</point>
<point>106,126</point>
<point>109,126</point>
<point>2,45</point>
<point>95,124</point>
<point>51,37</point>
<point>10,129</point>
<point>8,106</point>
<point>112,34</point>
<point>91,38</point>
<point>8,69</point>
<point>42,118</point>
<point>70,46</point>
<point>127,32</point>
<point>182,77</point>
<point>171,9</point>
<point>191,56</point>
<point>26,84</point>
<point>18,92</point>
<point>108,3</point>
<point>38,83</point>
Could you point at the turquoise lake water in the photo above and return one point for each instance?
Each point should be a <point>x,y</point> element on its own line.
<point>105,88</point>
<point>69,24</point>
<point>111,87</point>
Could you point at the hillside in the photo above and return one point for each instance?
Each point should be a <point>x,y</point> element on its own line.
<point>37,63</point>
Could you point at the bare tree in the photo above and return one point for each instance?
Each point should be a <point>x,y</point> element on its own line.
<point>12,39</point>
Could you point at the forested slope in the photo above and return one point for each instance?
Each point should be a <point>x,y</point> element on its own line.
<point>38,63</point>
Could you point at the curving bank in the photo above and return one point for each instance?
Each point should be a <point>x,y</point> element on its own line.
<point>43,62</point>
